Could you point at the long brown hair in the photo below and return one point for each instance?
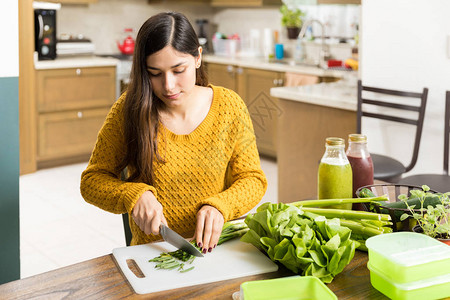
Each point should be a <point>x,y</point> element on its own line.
<point>141,117</point>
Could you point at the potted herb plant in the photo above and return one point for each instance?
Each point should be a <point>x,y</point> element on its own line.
<point>292,19</point>
<point>431,220</point>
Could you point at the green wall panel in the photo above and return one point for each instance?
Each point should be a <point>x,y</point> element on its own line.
<point>9,180</point>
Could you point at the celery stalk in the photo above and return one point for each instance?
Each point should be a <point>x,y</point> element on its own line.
<point>359,228</point>
<point>346,214</point>
<point>327,202</point>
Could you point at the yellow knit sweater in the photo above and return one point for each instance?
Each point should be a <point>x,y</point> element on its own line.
<point>216,164</point>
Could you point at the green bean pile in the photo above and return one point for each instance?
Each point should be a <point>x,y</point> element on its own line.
<point>178,259</point>
<point>174,260</point>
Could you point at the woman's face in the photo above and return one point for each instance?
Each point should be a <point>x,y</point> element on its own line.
<point>172,74</point>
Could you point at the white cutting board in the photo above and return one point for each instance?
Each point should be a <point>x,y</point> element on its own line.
<point>230,260</point>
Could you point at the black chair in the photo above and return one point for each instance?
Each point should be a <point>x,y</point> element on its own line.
<point>387,168</point>
<point>438,182</point>
<point>125,219</point>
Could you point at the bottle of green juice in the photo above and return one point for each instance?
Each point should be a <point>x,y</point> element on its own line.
<point>335,173</point>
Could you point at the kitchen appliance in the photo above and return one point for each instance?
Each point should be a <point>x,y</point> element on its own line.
<point>127,45</point>
<point>202,37</point>
<point>178,241</point>
<point>232,259</point>
<point>45,29</point>
<point>74,45</point>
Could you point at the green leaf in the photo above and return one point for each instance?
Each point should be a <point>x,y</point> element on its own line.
<point>300,246</point>
<point>347,255</point>
<point>332,246</point>
<point>270,246</point>
<point>318,258</point>
<point>253,238</point>
<point>404,217</point>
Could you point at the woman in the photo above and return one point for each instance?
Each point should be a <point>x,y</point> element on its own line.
<point>189,147</point>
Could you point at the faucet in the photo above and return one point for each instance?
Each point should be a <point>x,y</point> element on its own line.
<point>325,51</point>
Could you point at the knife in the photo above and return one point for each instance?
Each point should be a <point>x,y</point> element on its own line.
<point>178,241</point>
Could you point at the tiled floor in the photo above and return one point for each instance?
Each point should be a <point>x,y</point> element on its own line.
<point>58,228</point>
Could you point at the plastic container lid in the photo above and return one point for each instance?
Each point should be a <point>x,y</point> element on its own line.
<point>293,288</point>
<point>408,256</point>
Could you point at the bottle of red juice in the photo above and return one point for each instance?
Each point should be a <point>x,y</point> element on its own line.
<point>361,162</point>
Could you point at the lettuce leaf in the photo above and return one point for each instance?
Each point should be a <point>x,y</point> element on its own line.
<point>305,243</point>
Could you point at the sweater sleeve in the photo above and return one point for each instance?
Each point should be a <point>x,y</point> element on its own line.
<point>247,182</point>
<point>100,182</point>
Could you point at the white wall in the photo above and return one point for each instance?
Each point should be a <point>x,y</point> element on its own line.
<point>339,20</point>
<point>404,46</point>
<point>9,52</point>
<point>104,21</point>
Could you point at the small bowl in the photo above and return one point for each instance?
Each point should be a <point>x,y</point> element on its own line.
<point>293,287</point>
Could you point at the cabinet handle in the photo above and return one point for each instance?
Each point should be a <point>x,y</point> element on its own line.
<point>280,82</point>
<point>79,114</point>
<point>275,82</point>
<point>230,69</point>
<point>239,70</point>
<point>78,71</point>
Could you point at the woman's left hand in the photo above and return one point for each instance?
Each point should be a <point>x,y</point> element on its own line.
<point>209,227</point>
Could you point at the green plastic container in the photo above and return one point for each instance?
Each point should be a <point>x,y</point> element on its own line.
<point>432,288</point>
<point>286,288</point>
<point>405,257</point>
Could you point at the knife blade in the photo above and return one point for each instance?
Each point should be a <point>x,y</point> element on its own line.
<point>178,241</point>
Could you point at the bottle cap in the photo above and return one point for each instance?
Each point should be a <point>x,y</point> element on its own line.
<point>358,138</point>
<point>335,141</point>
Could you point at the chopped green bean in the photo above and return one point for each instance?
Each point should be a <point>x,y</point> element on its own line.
<point>187,270</point>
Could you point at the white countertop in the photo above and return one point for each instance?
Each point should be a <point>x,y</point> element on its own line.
<point>75,62</point>
<point>340,94</point>
<point>259,63</point>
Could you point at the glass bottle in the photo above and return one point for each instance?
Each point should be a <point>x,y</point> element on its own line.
<point>361,162</point>
<point>335,173</point>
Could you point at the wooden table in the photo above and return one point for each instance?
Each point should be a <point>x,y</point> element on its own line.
<point>100,278</point>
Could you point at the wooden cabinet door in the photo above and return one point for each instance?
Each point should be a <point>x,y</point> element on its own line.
<point>244,3</point>
<point>75,88</point>
<point>73,1</point>
<point>222,75</point>
<point>338,1</point>
<point>264,109</point>
<point>69,133</point>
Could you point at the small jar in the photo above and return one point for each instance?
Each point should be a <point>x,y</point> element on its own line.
<point>335,173</point>
<point>361,162</point>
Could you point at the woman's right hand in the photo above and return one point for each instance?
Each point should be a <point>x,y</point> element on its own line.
<point>148,213</point>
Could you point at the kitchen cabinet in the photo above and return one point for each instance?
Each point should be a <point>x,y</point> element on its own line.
<point>303,130</point>
<point>224,75</point>
<point>338,1</point>
<point>73,1</point>
<point>71,107</point>
<point>263,108</point>
<point>244,3</point>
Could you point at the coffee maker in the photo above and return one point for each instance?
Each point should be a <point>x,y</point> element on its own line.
<point>202,36</point>
<point>45,29</point>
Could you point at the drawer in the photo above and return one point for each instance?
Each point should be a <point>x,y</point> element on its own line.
<point>75,88</point>
<point>70,133</point>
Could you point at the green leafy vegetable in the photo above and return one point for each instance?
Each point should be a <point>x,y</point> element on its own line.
<point>304,242</point>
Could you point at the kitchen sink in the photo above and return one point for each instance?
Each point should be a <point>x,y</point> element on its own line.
<point>296,63</point>
<point>311,64</point>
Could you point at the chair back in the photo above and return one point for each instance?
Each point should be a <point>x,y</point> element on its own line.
<point>446,131</point>
<point>391,103</point>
